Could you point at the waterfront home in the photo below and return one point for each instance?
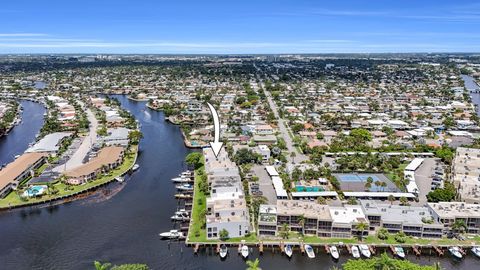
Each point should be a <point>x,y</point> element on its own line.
<point>226,206</point>
<point>448,213</point>
<point>412,220</point>
<point>267,220</point>
<point>344,220</point>
<point>50,143</point>
<point>108,158</point>
<point>18,170</point>
<point>117,136</point>
<point>309,218</point>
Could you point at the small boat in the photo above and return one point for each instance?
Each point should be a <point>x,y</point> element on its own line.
<point>400,252</point>
<point>135,167</point>
<point>365,251</point>
<point>244,251</point>
<point>355,252</point>
<point>310,252</point>
<point>476,251</point>
<point>183,196</point>
<point>182,180</point>
<point>334,252</point>
<point>288,251</point>
<point>186,174</point>
<point>172,234</point>
<point>455,251</point>
<point>120,179</point>
<point>186,187</point>
<point>181,215</point>
<point>223,251</point>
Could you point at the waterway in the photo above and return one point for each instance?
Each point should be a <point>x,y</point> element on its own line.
<point>124,228</point>
<point>17,140</point>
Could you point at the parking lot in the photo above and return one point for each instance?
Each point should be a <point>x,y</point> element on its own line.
<point>265,183</point>
<point>424,179</point>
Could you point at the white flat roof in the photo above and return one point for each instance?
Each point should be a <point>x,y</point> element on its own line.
<point>414,164</point>
<point>315,194</point>
<point>378,194</point>
<point>278,185</point>
<point>271,171</point>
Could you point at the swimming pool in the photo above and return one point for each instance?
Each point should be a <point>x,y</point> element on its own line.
<point>308,189</point>
<point>35,191</point>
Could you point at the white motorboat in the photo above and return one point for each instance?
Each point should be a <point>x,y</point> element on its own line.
<point>365,251</point>
<point>186,174</point>
<point>181,215</point>
<point>244,251</point>
<point>223,251</point>
<point>186,187</point>
<point>120,179</point>
<point>355,252</point>
<point>172,234</point>
<point>182,180</point>
<point>476,251</point>
<point>400,252</point>
<point>288,251</point>
<point>455,251</point>
<point>334,252</point>
<point>135,167</point>
<point>310,252</point>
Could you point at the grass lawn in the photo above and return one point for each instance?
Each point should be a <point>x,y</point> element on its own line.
<point>196,233</point>
<point>63,190</point>
<point>390,174</point>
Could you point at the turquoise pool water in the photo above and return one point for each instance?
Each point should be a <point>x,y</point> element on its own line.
<point>35,190</point>
<point>308,189</point>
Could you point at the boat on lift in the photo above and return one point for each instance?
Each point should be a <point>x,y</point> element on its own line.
<point>244,251</point>
<point>182,180</point>
<point>455,252</point>
<point>181,215</point>
<point>365,251</point>
<point>309,251</point>
<point>288,251</point>
<point>355,252</point>
<point>334,252</point>
<point>223,251</point>
<point>399,252</point>
<point>476,251</point>
<point>120,179</point>
<point>135,167</point>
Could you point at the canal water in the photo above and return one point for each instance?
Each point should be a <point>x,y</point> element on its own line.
<point>16,142</point>
<point>125,227</point>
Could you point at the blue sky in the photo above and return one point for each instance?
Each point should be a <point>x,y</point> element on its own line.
<point>243,26</point>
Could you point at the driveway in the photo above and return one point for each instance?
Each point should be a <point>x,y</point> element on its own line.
<point>423,178</point>
<point>265,183</point>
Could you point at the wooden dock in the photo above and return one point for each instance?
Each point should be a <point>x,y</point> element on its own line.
<point>416,250</point>
<point>260,248</point>
<point>438,250</point>
<point>372,249</point>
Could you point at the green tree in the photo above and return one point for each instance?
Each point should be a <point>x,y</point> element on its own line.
<point>253,265</point>
<point>223,235</point>
<point>194,159</point>
<point>285,231</point>
<point>102,266</point>
<point>135,136</point>
<point>361,228</point>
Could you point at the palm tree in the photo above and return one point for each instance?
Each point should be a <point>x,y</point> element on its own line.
<point>284,232</point>
<point>459,226</point>
<point>253,265</point>
<point>361,227</point>
<point>391,199</point>
<point>102,266</point>
<point>301,222</point>
<point>384,263</point>
<point>321,200</point>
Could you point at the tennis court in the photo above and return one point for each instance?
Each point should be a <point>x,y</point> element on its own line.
<point>357,181</point>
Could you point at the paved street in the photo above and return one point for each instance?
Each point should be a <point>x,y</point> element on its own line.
<point>282,126</point>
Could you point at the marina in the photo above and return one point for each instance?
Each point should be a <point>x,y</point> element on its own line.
<point>147,190</point>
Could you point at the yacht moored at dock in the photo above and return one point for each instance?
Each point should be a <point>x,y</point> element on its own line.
<point>288,251</point>
<point>399,252</point>
<point>244,251</point>
<point>223,251</point>
<point>365,251</point>
<point>355,252</point>
<point>476,251</point>
<point>455,252</point>
<point>334,252</point>
<point>172,234</point>
<point>309,251</point>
